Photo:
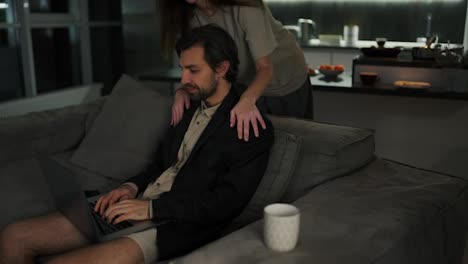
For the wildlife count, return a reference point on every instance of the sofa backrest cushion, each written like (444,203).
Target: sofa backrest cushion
(124,136)
(327,152)
(45,132)
(281,165)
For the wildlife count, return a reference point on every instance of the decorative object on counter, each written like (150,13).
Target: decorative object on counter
(427,52)
(368,78)
(444,57)
(449,57)
(381,52)
(380,42)
(329,39)
(295,30)
(465,60)
(421,39)
(351,35)
(306,29)
(432,40)
(412,84)
(311,72)
(422,53)
(331,72)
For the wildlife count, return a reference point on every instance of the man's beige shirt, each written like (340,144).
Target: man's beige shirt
(200,120)
(163,184)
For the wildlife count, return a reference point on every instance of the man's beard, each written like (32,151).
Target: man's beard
(202,94)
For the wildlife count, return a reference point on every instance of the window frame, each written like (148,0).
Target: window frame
(24,21)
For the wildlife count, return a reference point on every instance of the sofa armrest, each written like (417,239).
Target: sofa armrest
(45,132)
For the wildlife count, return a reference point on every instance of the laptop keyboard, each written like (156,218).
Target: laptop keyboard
(107,228)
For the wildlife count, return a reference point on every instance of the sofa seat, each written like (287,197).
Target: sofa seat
(384,213)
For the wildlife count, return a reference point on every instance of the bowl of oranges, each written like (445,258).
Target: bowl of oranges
(331,71)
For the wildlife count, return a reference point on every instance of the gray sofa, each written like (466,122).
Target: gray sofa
(355,207)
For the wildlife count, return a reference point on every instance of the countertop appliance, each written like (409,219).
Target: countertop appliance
(307,29)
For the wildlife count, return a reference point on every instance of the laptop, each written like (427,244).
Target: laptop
(71,202)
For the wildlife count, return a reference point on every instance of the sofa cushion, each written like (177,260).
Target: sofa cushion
(45,132)
(39,134)
(328,151)
(281,166)
(124,136)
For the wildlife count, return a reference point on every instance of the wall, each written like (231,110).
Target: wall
(395,20)
(423,132)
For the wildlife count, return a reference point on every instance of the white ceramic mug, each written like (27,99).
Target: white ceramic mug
(281,226)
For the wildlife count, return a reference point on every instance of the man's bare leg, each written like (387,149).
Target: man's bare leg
(123,250)
(20,242)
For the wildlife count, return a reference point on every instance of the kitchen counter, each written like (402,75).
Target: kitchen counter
(315,43)
(342,84)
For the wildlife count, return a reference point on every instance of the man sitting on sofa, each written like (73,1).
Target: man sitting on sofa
(203,175)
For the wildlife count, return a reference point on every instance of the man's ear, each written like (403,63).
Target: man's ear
(222,68)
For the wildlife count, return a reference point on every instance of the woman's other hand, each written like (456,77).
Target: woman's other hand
(181,100)
(245,113)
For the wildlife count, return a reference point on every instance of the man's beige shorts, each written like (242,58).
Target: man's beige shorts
(146,239)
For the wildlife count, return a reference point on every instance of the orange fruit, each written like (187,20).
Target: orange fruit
(339,67)
(326,67)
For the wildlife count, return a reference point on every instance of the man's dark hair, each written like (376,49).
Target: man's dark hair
(218,45)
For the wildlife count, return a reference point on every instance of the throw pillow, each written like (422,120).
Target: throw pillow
(125,135)
(280,168)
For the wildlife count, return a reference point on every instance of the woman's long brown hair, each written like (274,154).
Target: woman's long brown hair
(176,15)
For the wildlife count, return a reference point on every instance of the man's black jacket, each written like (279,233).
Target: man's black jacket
(215,184)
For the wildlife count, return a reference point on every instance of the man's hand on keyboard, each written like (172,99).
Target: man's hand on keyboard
(122,193)
(127,210)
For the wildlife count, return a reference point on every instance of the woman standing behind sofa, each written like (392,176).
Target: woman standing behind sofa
(272,65)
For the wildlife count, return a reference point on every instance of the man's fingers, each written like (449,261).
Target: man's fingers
(115,198)
(104,203)
(116,210)
(98,204)
(121,218)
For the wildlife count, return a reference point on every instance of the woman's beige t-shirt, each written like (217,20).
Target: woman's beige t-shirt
(257,34)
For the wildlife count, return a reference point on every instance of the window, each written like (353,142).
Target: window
(3,9)
(48,45)
(49,6)
(106,40)
(57,61)
(10,54)
(105,10)
(106,55)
